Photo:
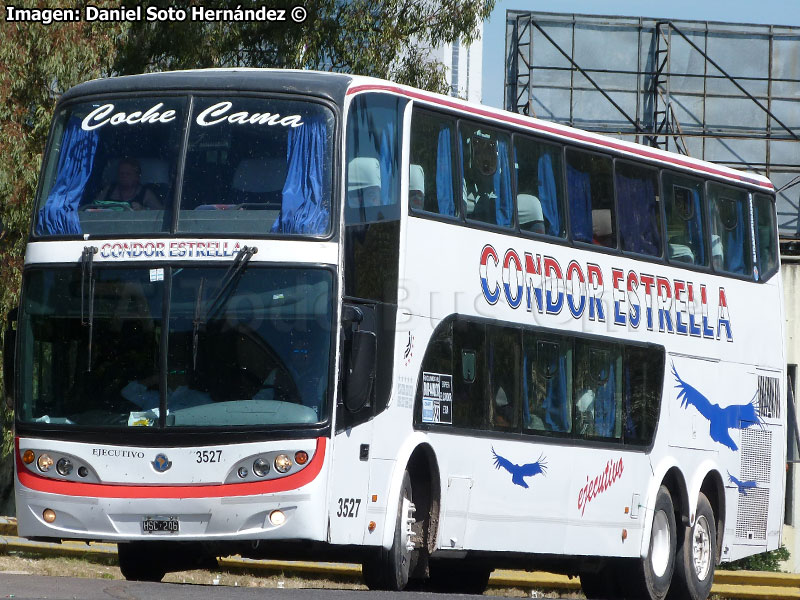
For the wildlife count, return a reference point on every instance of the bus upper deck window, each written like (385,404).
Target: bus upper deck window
(766,234)
(730,220)
(109,171)
(540,187)
(683,206)
(486,187)
(639,209)
(432,167)
(590,189)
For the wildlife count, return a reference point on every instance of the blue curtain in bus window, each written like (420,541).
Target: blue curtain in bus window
(387,164)
(555,399)
(733,243)
(304,207)
(695,231)
(548,196)
(444,174)
(504,209)
(59,215)
(638,215)
(605,410)
(579,193)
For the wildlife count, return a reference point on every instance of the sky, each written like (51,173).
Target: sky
(768,12)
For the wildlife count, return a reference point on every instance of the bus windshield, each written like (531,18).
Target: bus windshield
(216,347)
(247,166)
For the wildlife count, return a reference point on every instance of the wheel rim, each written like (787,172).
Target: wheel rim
(701,548)
(659,551)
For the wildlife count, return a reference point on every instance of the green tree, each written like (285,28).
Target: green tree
(38,63)
(381,39)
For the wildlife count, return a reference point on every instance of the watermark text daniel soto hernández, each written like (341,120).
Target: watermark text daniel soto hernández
(141,12)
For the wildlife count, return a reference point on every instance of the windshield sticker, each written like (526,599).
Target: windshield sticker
(102,115)
(218,114)
(437,398)
(156,275)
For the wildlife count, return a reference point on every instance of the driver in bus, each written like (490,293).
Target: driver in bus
(128,193)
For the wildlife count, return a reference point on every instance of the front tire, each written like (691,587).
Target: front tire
(653,573)
(390,569)
(696,558)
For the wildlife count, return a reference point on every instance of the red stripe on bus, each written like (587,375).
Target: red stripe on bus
(102,490)
(552,130)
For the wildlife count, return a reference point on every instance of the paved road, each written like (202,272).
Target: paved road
(34,587)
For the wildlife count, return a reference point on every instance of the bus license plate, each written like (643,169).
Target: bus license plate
(160,525)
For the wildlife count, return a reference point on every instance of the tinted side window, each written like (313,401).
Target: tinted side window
(540,187)
(683,203)
(487,175)
(503,356)
(766,234)
(643,373)
(547,383)
(729,212)
(373,158)
(469,380)
(639,209)
(432,170)
(590,189)
(597,391)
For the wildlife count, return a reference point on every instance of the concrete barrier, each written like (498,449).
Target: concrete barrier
(754,585)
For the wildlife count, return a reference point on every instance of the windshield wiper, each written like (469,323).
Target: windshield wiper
(198,304)
(87,297)
(220,297)
(228,283)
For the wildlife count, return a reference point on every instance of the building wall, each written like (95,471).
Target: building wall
(464,65)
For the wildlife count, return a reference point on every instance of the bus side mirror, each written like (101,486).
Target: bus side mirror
(9,345)
(360,370)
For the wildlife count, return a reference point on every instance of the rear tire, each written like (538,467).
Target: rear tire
(697,556)
(653,574)
(390,569)
(141,561)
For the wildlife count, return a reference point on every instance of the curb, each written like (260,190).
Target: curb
(748,585)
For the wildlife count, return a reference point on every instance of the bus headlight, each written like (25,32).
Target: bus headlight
(44,463)
(282,463)
(64,466)
(28,457)
(260,467)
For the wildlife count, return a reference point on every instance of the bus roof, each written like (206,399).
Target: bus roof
(335,86)
(565,133)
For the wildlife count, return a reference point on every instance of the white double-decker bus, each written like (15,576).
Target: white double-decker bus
(294,314)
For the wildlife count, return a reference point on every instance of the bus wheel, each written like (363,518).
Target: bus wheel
(390,569)
(454,576)
(653,574)
(694,564)
(141,561)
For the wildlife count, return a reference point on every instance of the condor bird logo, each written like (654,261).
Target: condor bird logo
(742,485)
(735,416)
(519,472)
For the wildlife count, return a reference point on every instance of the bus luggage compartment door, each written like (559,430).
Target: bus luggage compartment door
(456,512)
